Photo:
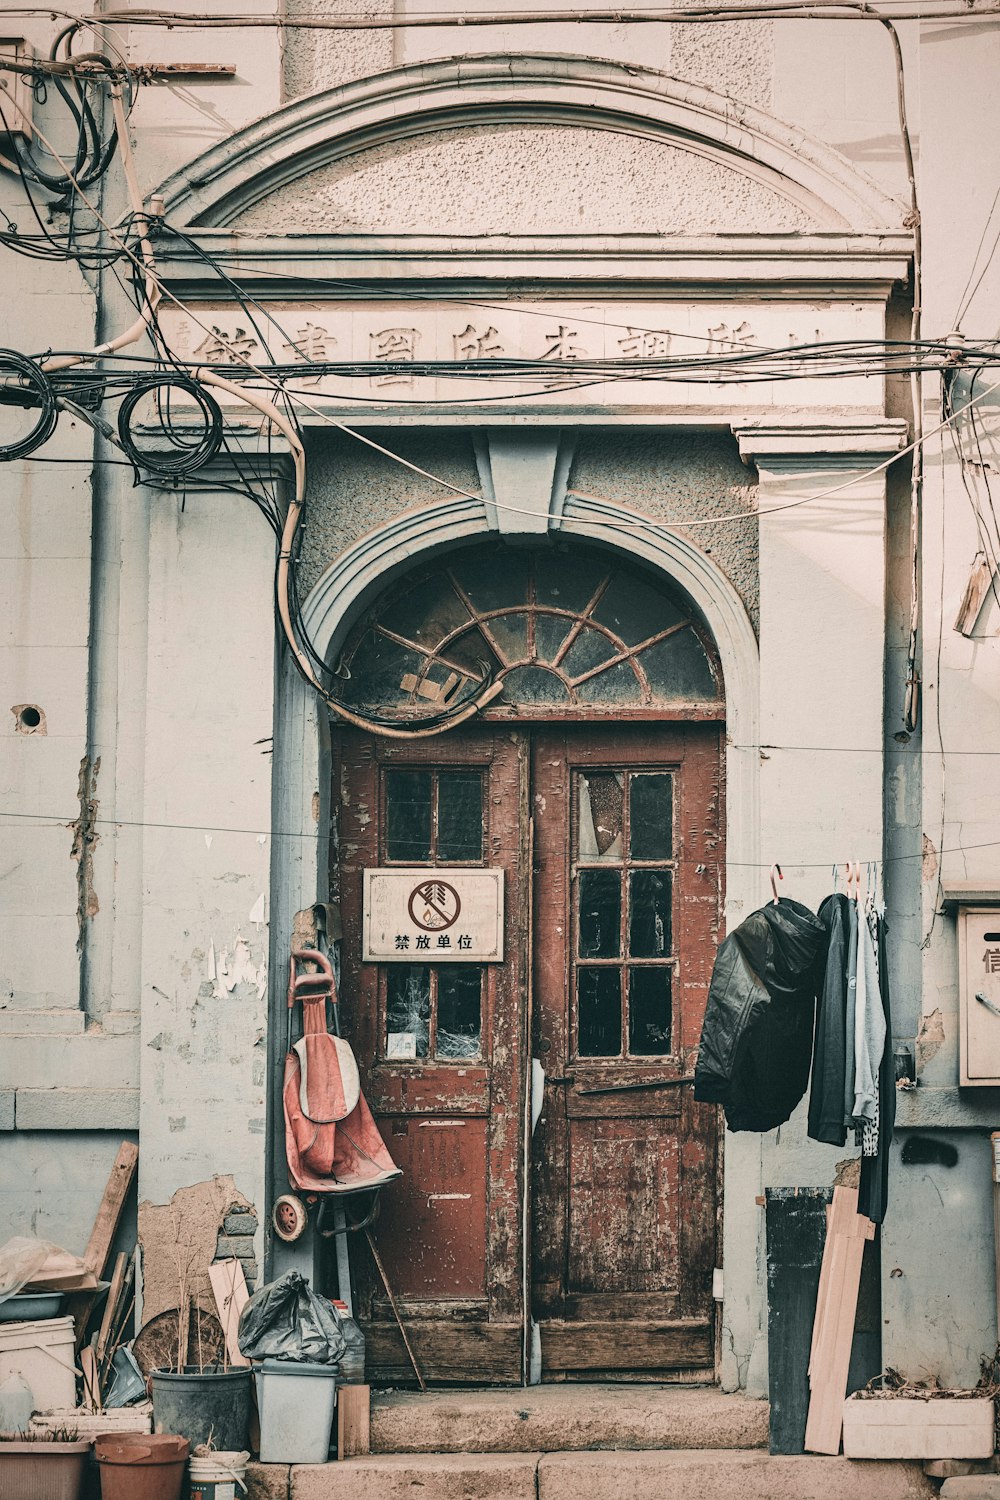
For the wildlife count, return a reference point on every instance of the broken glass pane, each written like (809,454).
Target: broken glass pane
(550,632)
(679,668)
(460,815)
(377,669)
(496,579)
(651,814)
(472,653)
(534,685)
(408,815)
(600,913)
(589,650)
(511,635)
(600,815)
(427,612)
(567,581)
(459,1017)
(649,914)
(599,1012)
(408,1005)
(635,610)
(618,684)
(649,1017)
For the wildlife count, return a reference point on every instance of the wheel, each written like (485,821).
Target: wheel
(289,1217)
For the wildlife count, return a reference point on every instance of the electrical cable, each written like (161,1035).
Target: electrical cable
(30,389)
(185,457)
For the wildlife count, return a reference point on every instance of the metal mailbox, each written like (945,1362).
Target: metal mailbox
(979,994)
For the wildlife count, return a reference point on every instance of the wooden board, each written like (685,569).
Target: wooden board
(462,1353)
(229,1285)
(353,1421)
(110,1211)
(91,1384)
(111,1307)
(686,1343)
(833,1331)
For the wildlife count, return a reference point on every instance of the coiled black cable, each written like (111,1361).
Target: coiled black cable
(23,383)
(182,456)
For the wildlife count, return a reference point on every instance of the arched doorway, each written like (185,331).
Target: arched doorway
(560,1184)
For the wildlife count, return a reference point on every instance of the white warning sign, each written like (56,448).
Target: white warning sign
(426,915)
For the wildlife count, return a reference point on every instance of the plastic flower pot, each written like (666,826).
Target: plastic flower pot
(42,1470)
(137,1466)
(210,1405)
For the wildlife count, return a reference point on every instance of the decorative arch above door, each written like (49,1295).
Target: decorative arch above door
(564,629)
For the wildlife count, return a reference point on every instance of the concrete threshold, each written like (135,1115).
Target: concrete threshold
(624,1475)
(565,1418)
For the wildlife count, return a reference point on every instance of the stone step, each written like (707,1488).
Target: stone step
(553,1418)
(664,1475)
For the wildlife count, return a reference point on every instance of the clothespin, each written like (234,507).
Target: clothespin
(776,875)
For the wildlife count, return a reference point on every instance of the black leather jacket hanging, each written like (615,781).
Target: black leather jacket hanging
(756,1041)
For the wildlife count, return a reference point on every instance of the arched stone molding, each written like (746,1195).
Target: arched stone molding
(227,180)
(365,568)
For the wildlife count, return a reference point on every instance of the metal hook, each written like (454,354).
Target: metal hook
(775,871)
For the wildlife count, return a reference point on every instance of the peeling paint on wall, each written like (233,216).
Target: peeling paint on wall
(930,1039)
(929,864)
(179,1240)
(232,967)
(85,838)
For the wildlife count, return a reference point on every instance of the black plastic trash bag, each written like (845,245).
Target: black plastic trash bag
(756,1041)
(286,1320)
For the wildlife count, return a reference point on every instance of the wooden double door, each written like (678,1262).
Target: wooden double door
(558,1210)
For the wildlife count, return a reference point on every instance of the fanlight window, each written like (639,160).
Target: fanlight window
(562,630)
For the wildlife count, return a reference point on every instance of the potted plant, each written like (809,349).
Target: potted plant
(45,1465)
(897,1418)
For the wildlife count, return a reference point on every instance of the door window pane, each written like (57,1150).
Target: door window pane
(599,913)
(600,812)
(649,913)
(599,1012)
(408,815)
(651,810)
(459,1012)
(649,1012)
(460,815)
(408,1010)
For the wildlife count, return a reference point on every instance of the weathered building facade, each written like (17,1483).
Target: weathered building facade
(694,594)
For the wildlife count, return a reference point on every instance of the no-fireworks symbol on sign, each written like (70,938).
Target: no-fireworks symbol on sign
(434,906)
(451,915)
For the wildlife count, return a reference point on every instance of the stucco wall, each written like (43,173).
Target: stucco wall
(354,490)
(526,179)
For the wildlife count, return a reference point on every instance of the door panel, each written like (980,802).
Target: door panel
(627,911)
(442,1050)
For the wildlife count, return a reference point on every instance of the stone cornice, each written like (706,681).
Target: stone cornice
(790,267)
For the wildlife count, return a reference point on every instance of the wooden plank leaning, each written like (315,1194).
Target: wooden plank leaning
(102,1235)
(836,1310)
(229,1285)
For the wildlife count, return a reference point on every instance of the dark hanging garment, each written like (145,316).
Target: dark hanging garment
(830,1060)
(873,1195)
(756,1041)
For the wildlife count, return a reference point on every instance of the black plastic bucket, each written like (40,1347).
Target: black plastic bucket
(209,1405)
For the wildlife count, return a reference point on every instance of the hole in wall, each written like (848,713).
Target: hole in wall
(28,718)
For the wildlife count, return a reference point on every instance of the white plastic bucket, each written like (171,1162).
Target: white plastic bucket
(42,1354)
(296,1404)
(218,1476)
